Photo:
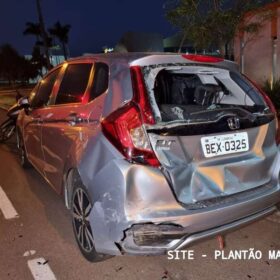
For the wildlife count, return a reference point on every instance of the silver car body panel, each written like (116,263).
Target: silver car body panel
(182,192)
(195,178)
(140,194)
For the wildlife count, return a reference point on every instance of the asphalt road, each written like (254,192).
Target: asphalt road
(43,230)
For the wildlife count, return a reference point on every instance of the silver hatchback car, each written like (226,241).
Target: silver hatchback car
(152,152)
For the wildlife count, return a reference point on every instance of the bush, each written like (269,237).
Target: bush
(273,91)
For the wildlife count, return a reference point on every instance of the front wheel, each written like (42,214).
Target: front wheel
(7,129)
(81,207)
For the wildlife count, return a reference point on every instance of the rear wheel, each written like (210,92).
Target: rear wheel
(7,130)
(81,208)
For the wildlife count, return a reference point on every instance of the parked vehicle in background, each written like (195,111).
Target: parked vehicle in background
(152,152)
(8,126)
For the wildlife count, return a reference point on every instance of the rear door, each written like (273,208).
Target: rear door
(39,100)
(73,118)
(65,119)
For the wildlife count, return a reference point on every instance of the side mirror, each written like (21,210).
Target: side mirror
(23,102)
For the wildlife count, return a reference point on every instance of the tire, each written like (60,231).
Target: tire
(24,162)
(7,130)
(80,209)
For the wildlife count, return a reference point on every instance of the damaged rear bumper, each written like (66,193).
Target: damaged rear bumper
(142,241)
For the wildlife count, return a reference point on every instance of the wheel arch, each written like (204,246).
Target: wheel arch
(71,176)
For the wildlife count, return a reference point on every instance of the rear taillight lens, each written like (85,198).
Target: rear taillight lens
(140,95)
(124,128)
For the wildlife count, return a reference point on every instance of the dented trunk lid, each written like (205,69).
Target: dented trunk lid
(195,177)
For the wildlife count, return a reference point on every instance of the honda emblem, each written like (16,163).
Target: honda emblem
(233,123)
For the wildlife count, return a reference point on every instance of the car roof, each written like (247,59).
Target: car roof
(128,56)
(152,58)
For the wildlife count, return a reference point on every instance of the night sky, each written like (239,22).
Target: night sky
(94,23)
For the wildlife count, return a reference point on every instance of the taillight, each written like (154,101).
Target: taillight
(140,95)
(124,128)
(202,58)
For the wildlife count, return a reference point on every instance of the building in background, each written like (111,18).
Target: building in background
(174,43)
(154,42)
(258,55)
(140,42)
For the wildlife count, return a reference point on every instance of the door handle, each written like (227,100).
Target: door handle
(73,118)
(37,118)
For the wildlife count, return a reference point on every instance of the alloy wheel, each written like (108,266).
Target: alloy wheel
(81,208)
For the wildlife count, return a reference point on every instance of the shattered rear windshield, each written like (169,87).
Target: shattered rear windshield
(191,94)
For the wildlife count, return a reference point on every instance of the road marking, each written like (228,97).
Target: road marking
(29,253)
(7,207)
(40,269)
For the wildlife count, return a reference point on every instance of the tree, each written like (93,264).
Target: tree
(38,60)
(43,39)
(61,33)
(210,23)
(9,61)
(14,67)
(33,29)
(27,70)
(44,34)
(248,29)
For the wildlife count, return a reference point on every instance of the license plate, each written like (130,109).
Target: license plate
(213,146)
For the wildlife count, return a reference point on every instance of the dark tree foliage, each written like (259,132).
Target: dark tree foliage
(38,60)
(208,23)
(61,33)
(15,68)
(43,33)
(44,38)
(32,28)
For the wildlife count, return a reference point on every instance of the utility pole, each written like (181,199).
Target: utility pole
(44,33)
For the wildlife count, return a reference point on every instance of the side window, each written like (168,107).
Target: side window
(74,83)
(101,78)
(44,90)
(33,93)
